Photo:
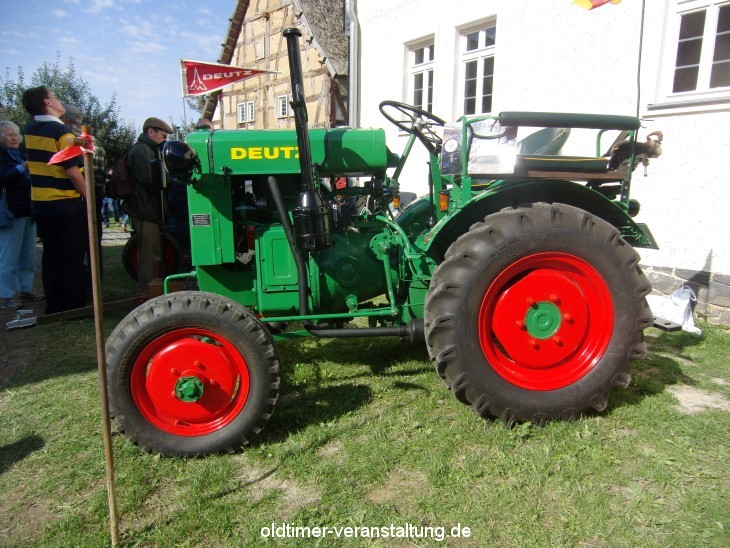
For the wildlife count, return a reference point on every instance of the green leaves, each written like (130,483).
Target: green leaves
(114,134)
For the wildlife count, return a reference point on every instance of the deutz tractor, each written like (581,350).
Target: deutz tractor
(517,269)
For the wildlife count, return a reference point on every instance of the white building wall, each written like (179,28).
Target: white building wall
(552,55)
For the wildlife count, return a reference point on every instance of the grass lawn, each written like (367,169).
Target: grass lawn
(366,440)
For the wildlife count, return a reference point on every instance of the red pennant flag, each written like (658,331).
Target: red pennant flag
(75,150)
(66,154)
(593,4)
(200,78)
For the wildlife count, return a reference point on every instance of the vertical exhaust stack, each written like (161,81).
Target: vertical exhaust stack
(312,217)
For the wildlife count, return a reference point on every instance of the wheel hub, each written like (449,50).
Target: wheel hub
(189,389)
(543,320)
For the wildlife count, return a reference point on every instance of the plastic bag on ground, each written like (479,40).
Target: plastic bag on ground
(676,308)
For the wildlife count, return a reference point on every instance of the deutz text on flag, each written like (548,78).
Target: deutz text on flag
(200,78)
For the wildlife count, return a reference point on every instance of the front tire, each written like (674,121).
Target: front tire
(535,313)
(191,373)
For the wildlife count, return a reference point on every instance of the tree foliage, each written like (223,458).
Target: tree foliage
(195,103)
(114,134)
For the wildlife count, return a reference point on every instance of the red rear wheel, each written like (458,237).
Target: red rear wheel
(545,321)
(171,253)
(535,313)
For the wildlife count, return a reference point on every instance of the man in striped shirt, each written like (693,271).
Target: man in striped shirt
(57,194)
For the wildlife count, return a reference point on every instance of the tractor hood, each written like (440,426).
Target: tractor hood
(338,151)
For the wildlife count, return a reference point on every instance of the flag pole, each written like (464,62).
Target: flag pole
(99,328)
(185,116)
(183,87)
(183,81)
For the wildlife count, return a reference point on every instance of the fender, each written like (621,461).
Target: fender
(502,194)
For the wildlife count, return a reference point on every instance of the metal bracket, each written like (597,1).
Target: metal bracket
(666,325)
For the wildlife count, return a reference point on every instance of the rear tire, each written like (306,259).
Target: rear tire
(535,313)
(191,373)
(171,254)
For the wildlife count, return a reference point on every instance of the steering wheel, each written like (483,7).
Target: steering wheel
(414,121)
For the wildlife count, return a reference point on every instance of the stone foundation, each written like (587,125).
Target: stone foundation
(712,290)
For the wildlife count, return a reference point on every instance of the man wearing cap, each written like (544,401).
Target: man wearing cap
(144,205)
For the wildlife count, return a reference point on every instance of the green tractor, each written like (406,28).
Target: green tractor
(520,275)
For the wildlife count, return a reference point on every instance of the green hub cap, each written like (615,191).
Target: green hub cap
(189,389)
(543,320)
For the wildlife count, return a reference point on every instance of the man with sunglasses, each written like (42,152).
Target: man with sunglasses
(144,205)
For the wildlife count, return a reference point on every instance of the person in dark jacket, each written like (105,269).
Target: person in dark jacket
(144,205)
(17,242)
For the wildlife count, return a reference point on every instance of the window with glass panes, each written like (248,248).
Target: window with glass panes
(283,109)
(477,57)
(703,49)
(246,112)
(422,76)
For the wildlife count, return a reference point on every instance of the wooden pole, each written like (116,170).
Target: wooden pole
(91,214)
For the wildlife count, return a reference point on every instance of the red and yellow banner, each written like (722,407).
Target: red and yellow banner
(199,78)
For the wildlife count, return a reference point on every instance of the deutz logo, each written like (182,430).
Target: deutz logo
(264,153)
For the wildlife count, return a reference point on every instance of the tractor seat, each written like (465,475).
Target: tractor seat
(541,151)
(549,140)
(547,162)
(538,155)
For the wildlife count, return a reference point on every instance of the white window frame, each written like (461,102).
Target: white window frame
(250,112)
(245,112)
(483,51)
(283,106)
(703,93)
(424,69)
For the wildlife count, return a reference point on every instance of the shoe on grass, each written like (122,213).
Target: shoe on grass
(11,304)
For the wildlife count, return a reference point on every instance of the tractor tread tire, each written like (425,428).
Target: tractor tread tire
(181,310)
(476,258)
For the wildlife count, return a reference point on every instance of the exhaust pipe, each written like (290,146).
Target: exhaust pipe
(312,217)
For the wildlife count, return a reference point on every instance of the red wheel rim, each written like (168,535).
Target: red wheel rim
(190,358)
(545,321)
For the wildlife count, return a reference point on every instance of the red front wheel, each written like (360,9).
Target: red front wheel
(535,313)
(190,382)
(191,373)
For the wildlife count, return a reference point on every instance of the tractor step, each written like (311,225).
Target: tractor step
(666,325)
